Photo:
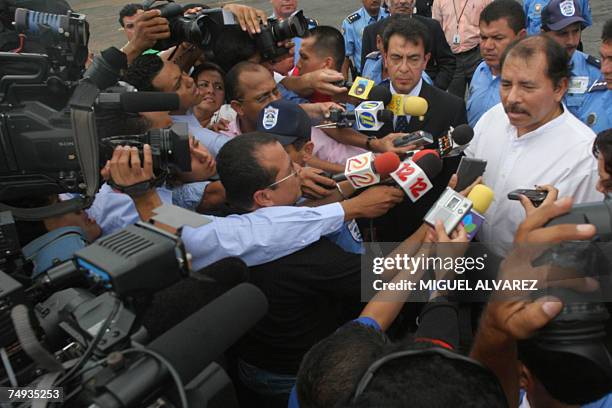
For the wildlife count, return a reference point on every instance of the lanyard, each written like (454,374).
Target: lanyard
(462,10)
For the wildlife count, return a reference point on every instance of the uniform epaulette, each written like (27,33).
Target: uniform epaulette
(373,55)
(599,86)
(353,17)
(596,62)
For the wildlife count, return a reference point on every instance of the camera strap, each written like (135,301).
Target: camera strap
(136,190)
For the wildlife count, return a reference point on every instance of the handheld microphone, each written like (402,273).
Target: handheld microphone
(481,197)
(372,116)
(456,141)
(419,137)
(361,88)
(414,175)
(402,105)
(366,170)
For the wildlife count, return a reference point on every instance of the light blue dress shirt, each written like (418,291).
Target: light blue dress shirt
(533,11)
(483,93)
(596,111)
(189,195)
(212,140)
(353,32)
(263,235)
(584,75)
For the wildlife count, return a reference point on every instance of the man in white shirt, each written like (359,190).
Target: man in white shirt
(531,138)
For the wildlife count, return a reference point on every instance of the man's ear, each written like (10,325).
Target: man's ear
(522,33)
(261,198)
(427,57)
(307,151)
(329,63)
(561,89)
(237,106)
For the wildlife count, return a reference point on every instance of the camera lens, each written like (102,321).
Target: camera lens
(295,26)
(170,147)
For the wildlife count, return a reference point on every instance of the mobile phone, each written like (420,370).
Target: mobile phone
(416,138)
(468,171)
(535,196)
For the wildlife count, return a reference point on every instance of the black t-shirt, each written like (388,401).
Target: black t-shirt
(310,293)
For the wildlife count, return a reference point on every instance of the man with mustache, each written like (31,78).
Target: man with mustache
(563,21)
(531,138)
(352,29)
(501,22)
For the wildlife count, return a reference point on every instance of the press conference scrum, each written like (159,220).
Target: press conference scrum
(188,220)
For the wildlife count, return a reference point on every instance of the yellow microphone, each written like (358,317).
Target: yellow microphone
(481,197)
(402,105)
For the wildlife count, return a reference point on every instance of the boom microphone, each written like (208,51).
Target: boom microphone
(414,176)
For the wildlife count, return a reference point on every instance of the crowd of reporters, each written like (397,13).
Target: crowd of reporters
(261,169)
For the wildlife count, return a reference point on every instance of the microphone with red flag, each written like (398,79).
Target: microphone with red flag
(414,175)
(366,169)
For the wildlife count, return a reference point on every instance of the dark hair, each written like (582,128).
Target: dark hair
(143,70)
(232,79)
(557,58)
(329,43)
(332,368)
(206,66)
(128,11)
(510,10)
(551,368)
(606,34)
(431,380)
(603,146)
(232,47)
(409,28)
(240,171)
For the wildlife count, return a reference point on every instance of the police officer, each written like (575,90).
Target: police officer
(563,21)
(352,29)
(533,10)
(596,111)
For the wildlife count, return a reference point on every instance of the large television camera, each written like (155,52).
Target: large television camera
(204,27)
(76,326)
(48,105)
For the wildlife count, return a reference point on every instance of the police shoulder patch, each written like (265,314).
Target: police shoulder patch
(373,55)
(353,17)
(599,86)
(596,62)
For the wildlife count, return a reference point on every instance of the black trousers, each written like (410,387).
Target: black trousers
(467,62)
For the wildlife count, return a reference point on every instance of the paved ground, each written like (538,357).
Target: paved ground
(102,16)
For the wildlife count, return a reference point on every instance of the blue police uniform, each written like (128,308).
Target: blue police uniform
(372,68)
(585,72)
(596,111)
(483,93)
(533,11)
(352,29)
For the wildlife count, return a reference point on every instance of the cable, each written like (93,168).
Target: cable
(8,367)
(175,376)
(92,346)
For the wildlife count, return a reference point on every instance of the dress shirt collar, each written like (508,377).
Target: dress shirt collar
(415,91)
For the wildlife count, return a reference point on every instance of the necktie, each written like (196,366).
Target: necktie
(401,124)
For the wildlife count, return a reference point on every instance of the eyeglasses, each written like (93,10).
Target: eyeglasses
(264,97)
(293,173)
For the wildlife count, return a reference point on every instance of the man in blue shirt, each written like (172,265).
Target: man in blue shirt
(352,29)
(501,22)
(563,21)
(596,111)
(533,11)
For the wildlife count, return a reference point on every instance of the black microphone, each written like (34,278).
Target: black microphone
(190,346)
(453,143)
(139,101)
(380,93)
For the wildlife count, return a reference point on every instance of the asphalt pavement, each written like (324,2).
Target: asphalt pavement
(102,16)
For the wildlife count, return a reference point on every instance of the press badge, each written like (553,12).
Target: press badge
(456,39)
(578,85)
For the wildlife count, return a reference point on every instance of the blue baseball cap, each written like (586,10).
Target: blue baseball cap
(558,14)
(284,120)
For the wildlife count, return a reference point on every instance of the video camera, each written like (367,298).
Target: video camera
(48,138)
(204,27)
(76,326)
